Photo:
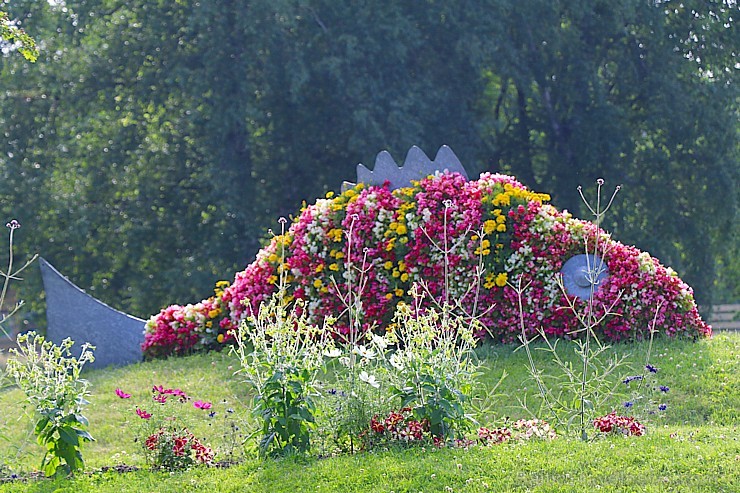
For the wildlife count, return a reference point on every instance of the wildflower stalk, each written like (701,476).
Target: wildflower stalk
(9,274)
(359,396)
(592,274)
(581,392)
(650,345)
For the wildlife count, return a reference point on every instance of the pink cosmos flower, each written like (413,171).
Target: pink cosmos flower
(143,414)
(201,405)
(123,395)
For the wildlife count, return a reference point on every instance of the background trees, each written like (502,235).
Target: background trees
(153,143)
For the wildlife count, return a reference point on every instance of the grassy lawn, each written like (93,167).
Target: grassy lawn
(696,447)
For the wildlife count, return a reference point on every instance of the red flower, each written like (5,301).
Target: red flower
(152,440)
(179,446)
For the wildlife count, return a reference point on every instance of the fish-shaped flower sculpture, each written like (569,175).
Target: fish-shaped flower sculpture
(480,246)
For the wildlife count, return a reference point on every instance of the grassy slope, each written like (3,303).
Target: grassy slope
(702,455)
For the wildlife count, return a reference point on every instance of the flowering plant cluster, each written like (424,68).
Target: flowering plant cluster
(176,449)
(402,429)
(167,442)
(439,231)
(183,329)
(399,428)
(523,429)
(623,425)
(643,393)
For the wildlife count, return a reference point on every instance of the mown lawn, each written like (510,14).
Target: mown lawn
(696,447)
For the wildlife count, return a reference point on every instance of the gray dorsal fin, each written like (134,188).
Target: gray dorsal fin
(416,166)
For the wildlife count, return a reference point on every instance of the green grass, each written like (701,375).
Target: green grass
(695,448)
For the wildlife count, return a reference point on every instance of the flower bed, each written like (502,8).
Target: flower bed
(439,231)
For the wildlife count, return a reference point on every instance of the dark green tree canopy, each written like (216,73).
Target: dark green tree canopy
(153,143)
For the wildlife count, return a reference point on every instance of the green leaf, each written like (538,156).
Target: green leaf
(68,436)
(85,435)
(81,419)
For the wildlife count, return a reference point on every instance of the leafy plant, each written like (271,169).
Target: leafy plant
(50,377)
(281,354)
(433,369)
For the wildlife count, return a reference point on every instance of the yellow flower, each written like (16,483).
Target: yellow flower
(223,284)
(317,283)
(319,268)
(393,226)
(391,244)
(335,234)
(501,228)
(272,258)
(388,265)
(485,243)
(350,193)
(474,237)
(214,313)
(402,266)
(399,292)
(389,296)
(401,230)
(220,338)
(334,267)
(501,219)
(489,226)
(396,273)
(333,253)
(272,280)
(329,194)
(404,277)
(501,279)
(339,255)
(404,240)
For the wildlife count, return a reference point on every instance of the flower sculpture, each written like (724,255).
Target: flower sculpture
(466,242)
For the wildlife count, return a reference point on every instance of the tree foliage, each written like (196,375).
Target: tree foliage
(13,37)
(153,143)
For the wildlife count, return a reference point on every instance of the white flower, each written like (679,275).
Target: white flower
(344,361)
(369,379)
(333,353)
(364,352)
(396,361)
(379,342)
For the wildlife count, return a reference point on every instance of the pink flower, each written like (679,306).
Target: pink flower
(201,405)
(123,395)
(143,414)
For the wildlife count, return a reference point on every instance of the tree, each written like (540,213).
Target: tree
(153,144)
